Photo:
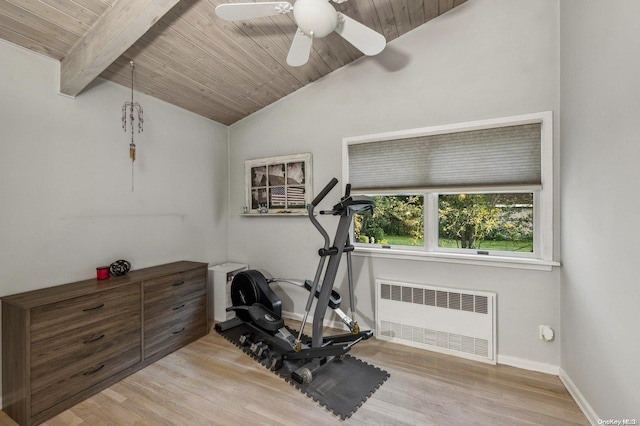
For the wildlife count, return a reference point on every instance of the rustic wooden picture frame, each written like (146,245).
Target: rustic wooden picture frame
(278,185)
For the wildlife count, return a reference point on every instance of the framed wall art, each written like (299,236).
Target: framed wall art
(278,185)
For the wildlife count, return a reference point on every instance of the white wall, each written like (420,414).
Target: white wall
(66,204)
(65,184)
(484,59)
(600,92)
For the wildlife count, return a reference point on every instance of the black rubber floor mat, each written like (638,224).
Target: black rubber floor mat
(341,386)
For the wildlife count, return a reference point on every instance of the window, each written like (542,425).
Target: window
(397,220)
(496,222)
(482,188)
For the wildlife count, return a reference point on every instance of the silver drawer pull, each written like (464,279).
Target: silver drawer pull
(177,283)
(92,339)
(179,331)
(94,308)
(86,373)
(179,307)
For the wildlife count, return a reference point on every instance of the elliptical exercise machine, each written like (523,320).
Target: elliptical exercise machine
(259,310)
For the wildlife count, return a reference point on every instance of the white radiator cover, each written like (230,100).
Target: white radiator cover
(442,319)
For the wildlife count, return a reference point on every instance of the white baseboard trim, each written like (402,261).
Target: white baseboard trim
(527,364)
(586,408)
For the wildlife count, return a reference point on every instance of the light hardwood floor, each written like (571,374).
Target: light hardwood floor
(211,382)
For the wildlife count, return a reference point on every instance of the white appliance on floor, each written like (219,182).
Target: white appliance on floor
(220,277)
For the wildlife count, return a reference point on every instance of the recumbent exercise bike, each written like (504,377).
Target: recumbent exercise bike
(257,306)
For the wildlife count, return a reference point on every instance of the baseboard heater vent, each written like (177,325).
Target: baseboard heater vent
(452,321)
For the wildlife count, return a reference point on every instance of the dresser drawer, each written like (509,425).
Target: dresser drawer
(73,380)
(169,306)
(175,286)
(83,346)
(176,329)
(158,320)
(61,317)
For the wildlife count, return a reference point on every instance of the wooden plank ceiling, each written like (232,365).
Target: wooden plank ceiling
(191,58)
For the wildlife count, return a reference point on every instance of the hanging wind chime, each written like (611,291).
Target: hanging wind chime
(131,107)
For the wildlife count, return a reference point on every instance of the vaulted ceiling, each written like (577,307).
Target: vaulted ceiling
(187,56)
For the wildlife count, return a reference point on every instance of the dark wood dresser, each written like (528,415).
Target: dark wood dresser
(62,344)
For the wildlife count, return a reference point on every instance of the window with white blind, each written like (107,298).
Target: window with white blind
(482,189)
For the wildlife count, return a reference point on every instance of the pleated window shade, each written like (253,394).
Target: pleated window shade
(487,157)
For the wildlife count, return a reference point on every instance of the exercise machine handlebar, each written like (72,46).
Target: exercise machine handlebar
(324,192)
(327,243)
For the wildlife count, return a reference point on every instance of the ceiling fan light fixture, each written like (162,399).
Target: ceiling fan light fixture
(316,18)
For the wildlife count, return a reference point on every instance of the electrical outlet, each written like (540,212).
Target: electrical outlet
(546,333)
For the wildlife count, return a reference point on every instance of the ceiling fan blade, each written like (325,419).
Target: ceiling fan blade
(240,11)
(300,49)
(360,36)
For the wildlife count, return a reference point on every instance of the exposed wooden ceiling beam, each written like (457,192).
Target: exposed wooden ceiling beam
(115,32)
(189,56)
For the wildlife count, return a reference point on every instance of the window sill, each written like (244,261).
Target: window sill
(467,259)
(280,214)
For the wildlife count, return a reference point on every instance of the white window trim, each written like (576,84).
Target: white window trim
(544,202)
(459,258)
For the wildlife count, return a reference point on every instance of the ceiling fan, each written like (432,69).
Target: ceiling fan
(315,19)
